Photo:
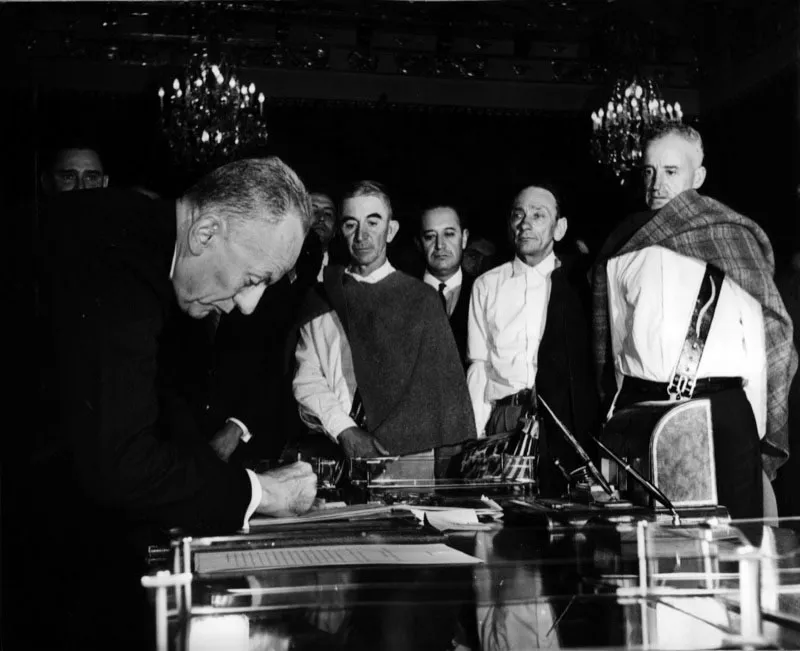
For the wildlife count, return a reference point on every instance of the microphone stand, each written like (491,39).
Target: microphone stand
(596,474)
(651,488)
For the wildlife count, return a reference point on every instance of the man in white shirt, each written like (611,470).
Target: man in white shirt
(528,330)
(442,239)
(377,368)
(645,288)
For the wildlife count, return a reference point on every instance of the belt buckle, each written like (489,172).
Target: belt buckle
(681,387)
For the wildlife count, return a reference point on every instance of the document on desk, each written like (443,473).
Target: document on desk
(325,514)
(451,519)
(242,560)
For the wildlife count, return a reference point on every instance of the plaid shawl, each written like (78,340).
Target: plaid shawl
(702,228)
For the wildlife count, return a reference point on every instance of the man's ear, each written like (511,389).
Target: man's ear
(202,233)
(699,177)
(105,180)
(464,238)
(394,226)
(561,229)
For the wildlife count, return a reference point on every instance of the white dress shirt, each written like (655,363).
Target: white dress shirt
(651,297)
(452,288)
(507,316)
(255,486)
(325,382)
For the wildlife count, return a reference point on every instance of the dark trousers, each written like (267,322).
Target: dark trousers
(504,419)
(737,449)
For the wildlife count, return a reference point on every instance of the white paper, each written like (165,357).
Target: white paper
(329,556)
(450,519)
(326,514)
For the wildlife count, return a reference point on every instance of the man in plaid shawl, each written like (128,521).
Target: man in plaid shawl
(645,283)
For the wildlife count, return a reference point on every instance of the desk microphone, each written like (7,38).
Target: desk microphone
(651,488)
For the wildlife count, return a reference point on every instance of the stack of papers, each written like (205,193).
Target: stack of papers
(327,514)
(443,518)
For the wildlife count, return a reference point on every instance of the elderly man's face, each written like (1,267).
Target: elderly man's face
(368,229)
(671,166)
(534,224)
(443,241)
(324,213)
(77,169)
(231,266)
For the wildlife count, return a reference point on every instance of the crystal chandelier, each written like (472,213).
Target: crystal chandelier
(211,116)
(635,107)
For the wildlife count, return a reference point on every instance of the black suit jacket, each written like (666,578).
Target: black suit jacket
(565,376)
(460,316)
(239,370)
(115,442)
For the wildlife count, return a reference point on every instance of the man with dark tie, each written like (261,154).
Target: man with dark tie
(443,238)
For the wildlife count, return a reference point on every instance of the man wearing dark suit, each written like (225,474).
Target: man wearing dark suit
(239,390)
(442,239)
(124,460)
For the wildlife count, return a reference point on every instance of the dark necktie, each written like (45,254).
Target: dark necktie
(441,296)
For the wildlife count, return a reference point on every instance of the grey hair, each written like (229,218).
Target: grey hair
(253,188)
(684,131)
(368,189)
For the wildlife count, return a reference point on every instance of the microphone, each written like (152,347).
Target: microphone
(579,449)
(651,488)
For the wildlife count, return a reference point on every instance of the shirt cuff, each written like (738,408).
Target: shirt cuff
(245,435)
(338,424)
(255,500)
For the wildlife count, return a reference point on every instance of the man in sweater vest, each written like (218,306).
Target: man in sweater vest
(377,366)
(528,334)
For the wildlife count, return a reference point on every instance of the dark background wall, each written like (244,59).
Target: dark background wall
(475,159)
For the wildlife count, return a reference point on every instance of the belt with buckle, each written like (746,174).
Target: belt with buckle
(523,397)
(660,390)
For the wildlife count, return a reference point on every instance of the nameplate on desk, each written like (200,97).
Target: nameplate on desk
(244,560)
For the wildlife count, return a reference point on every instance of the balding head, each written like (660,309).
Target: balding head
(535,224)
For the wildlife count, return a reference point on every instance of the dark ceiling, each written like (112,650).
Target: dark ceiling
(575,41)
(584,42)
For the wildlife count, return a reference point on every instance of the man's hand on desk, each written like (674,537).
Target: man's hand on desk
(356,442)
(226,440)
(288,490)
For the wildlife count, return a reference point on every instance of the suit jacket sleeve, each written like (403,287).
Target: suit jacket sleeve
(107,318)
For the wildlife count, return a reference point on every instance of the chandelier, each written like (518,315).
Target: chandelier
(212,116)
(635,107)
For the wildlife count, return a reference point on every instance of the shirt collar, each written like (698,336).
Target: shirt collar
(543,269)
(456,280)
(376,276)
